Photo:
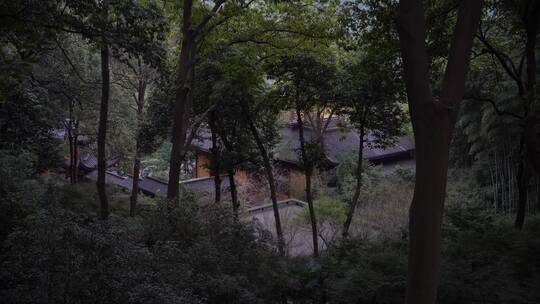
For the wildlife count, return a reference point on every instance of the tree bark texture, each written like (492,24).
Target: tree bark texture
(523,179)
(358,188)
(183,98)
(182,107)
(531,155)
(141,92)
(529,11)
(269,175)
(102,128)
(234,193)
(433,124)
(135,186)
(308,171)
(216,157)
(76,153)
(71,155)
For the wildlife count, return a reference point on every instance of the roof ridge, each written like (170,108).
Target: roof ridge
(157,179)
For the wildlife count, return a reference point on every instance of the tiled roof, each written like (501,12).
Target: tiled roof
(111,178)
(88,161)
(337,143)
(153,185)
(281,204)
(58,134)
(203,142)
(127,183)
(156,186)
(205,183)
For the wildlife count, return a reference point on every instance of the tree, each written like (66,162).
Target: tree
(135,77)
(271,26)
(259,117)
(125,32)
(208,94)
(517,22)
(373,107)
(231,84)
(71,95)
(304,80)
(433,120)
(103,115)
(28,113)
(248,116)
(182,104)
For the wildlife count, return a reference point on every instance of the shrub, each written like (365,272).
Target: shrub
(185,255)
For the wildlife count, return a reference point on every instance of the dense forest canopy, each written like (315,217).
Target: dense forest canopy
(247,151)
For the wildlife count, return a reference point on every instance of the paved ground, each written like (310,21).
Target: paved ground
(298,237)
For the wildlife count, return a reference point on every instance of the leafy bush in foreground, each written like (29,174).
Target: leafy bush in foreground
(170,256)
(58,252)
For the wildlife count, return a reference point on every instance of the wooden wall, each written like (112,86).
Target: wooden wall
(295,179)
(297,184)
(202,163)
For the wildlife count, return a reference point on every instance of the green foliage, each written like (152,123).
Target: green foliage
(465,189)
(232,82)
(181,256)
(483,261)
(486,261)
(493,115)
(346,174)
(270,57)
(304,81)
(359,272)
(371,100)
(385,196)
(330,212)
(83,198)
(19,190)
(158,162)
(157,123)
(329,209)
(26,115)
(57,249)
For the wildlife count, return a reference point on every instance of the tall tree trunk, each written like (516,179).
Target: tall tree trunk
(71,155)
(69,130)
(135,186)
(183,99)
(102,129)
(76,153)
(537,205)
(141,92)
(182,105)
(216,157)
(524,176)
(234,193)
(308,170)
(269,175)
(531,16)
(356,196)
(530,142)
(230,173)
(433,124)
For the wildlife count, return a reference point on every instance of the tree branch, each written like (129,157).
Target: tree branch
(494,105)
(328,120)
(195,127)
(73,67)
(453,86)
(207,18)
(505,61)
